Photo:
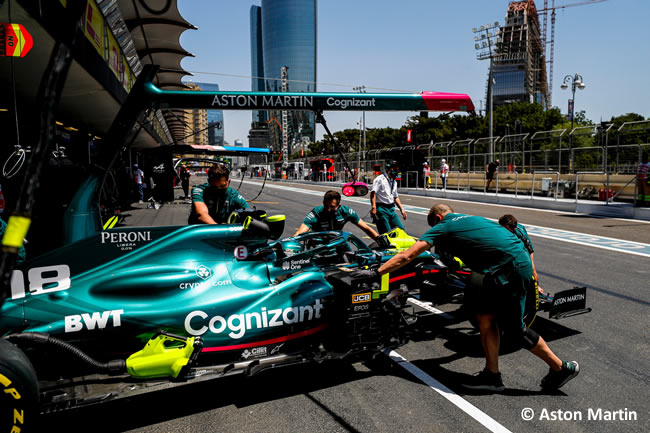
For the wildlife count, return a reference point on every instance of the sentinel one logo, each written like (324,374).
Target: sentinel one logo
(199,322)
(345,103)
(294,264)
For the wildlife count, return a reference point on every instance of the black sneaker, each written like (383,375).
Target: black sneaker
(557,379)
(485,380)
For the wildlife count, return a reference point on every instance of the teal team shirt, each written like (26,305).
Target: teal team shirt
(482,244)
(220,205)
(523,235)
(319,220)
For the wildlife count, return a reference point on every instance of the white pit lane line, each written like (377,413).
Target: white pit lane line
(467,407)
(594,241)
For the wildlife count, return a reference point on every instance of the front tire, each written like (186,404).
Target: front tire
(19,390)
(361,190)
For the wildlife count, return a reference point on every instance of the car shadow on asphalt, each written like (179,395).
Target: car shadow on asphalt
(454,380)
(238,390)
(552,330)
(462,338)
(464,341)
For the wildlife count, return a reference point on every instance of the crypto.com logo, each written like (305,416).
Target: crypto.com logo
(203,272)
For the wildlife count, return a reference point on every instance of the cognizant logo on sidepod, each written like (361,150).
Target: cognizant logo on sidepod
(199,322)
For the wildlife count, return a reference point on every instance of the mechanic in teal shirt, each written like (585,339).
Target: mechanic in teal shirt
(502,266)
(332,215)
(213,202)
(510,222)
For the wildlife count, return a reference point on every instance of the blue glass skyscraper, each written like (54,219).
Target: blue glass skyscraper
(215,118)
(257,59)
(287,32)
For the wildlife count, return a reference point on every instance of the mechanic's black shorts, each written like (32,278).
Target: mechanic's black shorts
(502,293)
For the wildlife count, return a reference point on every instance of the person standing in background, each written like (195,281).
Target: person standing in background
(384,198)
(643,181)
(490,171)
(444,172)
(138,177)
(426,175)
(185,174)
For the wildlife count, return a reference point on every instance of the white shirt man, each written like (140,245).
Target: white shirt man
(384,198)
(444,172)
(426,174)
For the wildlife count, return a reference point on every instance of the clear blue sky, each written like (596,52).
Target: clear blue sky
(416,45)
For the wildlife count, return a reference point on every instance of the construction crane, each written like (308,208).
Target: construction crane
(275,119)
(552,41)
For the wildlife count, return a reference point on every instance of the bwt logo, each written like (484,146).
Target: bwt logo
(90,321)
(203,272)
(359,298)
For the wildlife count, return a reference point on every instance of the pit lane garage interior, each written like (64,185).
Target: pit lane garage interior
(119,38)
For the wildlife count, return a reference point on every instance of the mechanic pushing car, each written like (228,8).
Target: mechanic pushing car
(501,264)
(510,222)
(213,202)
(384,198)
(332,215)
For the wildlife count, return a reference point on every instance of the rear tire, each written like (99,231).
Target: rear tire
(361,190)
(19,386)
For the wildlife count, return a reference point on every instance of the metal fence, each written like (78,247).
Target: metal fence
(587,148)
(527,161)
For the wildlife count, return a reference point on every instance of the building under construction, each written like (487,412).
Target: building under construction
(195,122)
(519,66)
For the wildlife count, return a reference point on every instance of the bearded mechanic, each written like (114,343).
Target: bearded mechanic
(503,274)
(213,202)
(332,215)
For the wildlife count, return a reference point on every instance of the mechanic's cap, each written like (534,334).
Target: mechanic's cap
(391,164)
(444,160)
(426,163)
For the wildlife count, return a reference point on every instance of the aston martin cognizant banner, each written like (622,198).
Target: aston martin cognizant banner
(425,101)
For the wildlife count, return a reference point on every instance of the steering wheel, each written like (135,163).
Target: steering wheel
(332,251)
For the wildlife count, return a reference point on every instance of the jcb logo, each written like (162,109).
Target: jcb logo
(359,298)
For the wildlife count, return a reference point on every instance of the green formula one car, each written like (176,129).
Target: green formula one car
(121,312)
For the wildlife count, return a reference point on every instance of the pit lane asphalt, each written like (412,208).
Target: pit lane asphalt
(611,344)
